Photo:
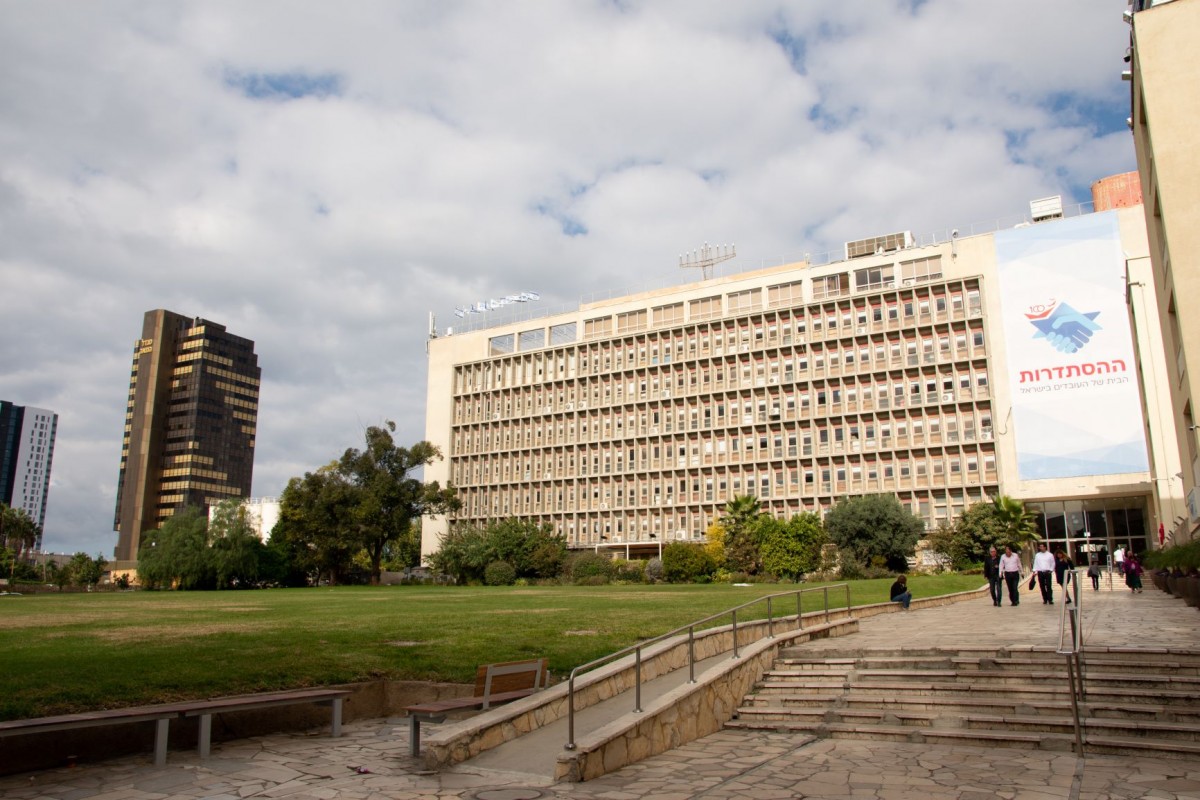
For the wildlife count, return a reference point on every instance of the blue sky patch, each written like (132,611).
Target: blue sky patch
(283,85)
(794,48)
(569,225)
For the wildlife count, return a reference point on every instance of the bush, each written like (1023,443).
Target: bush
(654,569)
(630,571)
(687,563)
(499,573)
(592,580)
(589,565)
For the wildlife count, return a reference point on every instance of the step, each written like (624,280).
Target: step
(840,730)
(1129,729)
(1091,665)
(1100,680)
(980,738)
(997,706)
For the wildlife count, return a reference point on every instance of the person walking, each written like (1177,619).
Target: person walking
(991,571)
(900,593)
(1043,568)
(1010,568)
(1133,572)
(1119,559)
(1061,564)
(1094,574)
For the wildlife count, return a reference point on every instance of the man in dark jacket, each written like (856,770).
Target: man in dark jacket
(991,571)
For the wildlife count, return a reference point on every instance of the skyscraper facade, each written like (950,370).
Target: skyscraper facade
(26,455)
(944,372)
(190,424)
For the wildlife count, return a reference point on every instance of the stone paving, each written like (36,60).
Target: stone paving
(370,761)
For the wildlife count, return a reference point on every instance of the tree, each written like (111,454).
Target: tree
(966,541)
(177,554)
(741,525)
(1018,523)
(18,532)
(462,553)
(715,543)
(386,498)
(85,570)
(315,523)
(236,548)
(875,526)
(405,551)
(790,549)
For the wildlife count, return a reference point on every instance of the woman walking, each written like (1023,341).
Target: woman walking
(1133,572)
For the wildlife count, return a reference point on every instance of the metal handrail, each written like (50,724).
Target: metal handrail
(636,649)
(1070,616)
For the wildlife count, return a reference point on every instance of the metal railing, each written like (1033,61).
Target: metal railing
(690,628)
(1070,645)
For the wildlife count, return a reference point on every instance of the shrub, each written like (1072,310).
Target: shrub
(630,571)
(499,573)
(654,569)
(684,563)
(589,565)
(592,580)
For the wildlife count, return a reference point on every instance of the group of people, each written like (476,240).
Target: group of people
(1005,571)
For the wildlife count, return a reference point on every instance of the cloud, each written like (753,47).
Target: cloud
(318,178)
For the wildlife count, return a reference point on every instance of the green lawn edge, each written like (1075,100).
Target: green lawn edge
(66,653)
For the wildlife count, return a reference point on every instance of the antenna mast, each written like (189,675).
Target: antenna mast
(706,257)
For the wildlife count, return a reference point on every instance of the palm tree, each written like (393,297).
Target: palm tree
(1017,522)
(741,545)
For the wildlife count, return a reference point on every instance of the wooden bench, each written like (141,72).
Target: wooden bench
(495,684)
(161,716)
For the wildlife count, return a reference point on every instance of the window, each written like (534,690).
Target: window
(785,294)
(669,315)
(744,301)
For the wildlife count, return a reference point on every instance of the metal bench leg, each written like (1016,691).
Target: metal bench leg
(160,741)
(337,717)
(205,735)
(414,735)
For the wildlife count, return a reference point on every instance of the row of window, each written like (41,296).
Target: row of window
(794,326)
(833,463)
(597,526)
(832,408)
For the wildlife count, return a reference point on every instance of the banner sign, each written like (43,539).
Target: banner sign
(1071,366)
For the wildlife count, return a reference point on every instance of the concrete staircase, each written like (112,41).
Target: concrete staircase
(1138,701)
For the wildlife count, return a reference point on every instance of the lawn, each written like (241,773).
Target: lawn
(73,652)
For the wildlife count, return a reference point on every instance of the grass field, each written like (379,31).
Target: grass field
(74,652)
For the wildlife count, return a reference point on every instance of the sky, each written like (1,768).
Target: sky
(319,177)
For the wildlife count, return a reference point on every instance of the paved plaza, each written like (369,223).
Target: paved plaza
(371,762)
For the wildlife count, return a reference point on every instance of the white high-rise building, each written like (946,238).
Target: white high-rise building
(26,454)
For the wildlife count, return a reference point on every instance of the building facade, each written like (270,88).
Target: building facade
(190,424)
(944,374)
(1164,63)
(26,455)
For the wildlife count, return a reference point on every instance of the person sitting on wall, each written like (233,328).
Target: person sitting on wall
(900,593)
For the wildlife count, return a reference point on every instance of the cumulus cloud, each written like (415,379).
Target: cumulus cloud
(317,178)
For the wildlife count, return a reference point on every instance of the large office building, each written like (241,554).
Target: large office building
(189,424)
(1164,65)
(26,455)
(944,373)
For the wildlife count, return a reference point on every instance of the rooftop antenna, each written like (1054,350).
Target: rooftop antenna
(706,257)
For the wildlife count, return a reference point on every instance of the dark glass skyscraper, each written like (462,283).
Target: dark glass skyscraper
(189,425)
